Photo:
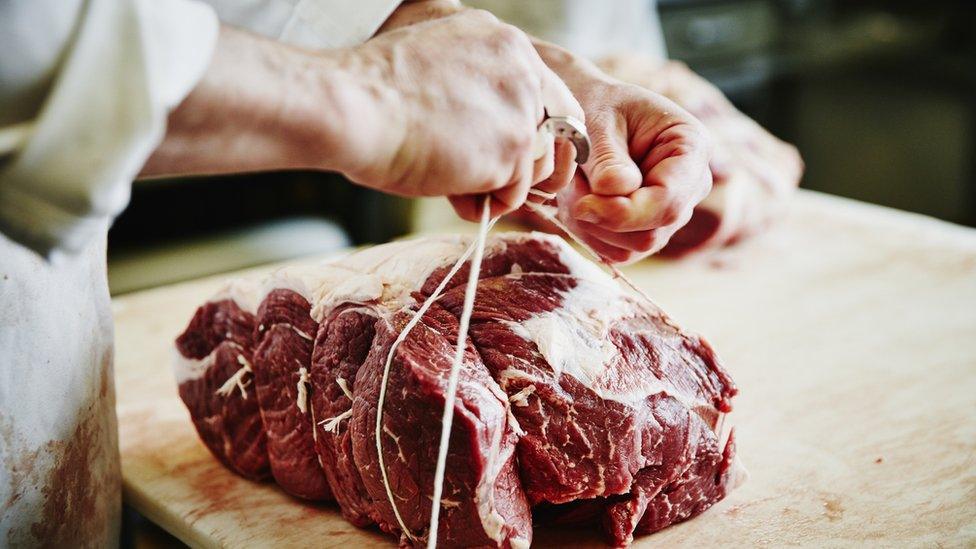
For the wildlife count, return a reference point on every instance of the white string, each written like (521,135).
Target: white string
(237,380)
(386,374)
(341,382)
(448,418)
(477,248)
(302,400)
(617,273)
(332,424)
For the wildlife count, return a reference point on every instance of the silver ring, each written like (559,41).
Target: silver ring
(573,129)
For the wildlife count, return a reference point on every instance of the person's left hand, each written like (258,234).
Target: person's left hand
(648,165)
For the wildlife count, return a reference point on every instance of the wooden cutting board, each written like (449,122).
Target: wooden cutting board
(850,330)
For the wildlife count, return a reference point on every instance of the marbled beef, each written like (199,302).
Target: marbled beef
(575,397)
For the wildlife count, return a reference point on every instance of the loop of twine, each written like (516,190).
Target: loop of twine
(332,424)
(414,320)
(476,248)
(448,418)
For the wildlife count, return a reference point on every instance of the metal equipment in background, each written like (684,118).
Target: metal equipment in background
(880,96)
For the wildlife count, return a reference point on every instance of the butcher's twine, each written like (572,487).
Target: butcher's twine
(448,418)
(477,248)
(332,424)
(302,387)
(237,380)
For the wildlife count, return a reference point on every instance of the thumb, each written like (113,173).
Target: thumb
(610,169)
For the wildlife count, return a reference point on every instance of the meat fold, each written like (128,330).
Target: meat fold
(342,345)
(284,337)
(482,503)
(214,355)
(576,398)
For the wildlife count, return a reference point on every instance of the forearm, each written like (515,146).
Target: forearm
(262,106)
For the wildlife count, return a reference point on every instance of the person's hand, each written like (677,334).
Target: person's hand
(753,171)
(461,98)
(447,107)
(410,12)
(648,164)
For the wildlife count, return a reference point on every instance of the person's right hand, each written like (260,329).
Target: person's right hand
(457,103)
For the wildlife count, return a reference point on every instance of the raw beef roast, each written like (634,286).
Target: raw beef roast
(575,399)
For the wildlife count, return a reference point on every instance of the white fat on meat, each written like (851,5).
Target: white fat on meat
(245,293)
(305,280)
(242,291)
(386,275)
(575,339)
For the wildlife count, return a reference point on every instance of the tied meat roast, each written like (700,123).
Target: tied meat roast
(577,401)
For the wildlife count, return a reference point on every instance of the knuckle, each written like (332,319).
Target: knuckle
(519,143)
(515,36)
(689,148)
(481,16)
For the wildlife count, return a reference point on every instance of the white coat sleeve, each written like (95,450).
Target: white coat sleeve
(85,87)
(591,28)
(311,24)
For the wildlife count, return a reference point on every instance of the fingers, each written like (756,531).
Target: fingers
(641,242)
(545,156)
(637,241)
(511,197)
(570,195)
(549,163)
(676,178)
(609,252)
(466,206)
(563,171)
(644,209)
(679,156)
(545,162)
(610,169)
(559,101)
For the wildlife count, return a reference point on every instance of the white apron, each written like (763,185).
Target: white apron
(59,482)
(85,87)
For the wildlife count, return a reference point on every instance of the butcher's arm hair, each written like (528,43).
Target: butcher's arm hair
(262,105)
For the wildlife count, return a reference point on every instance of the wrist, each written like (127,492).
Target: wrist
(265,106)
(359,123)
(579,73)
(417,11)
(345,117)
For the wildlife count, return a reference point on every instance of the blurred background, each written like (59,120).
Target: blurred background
(879,96)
